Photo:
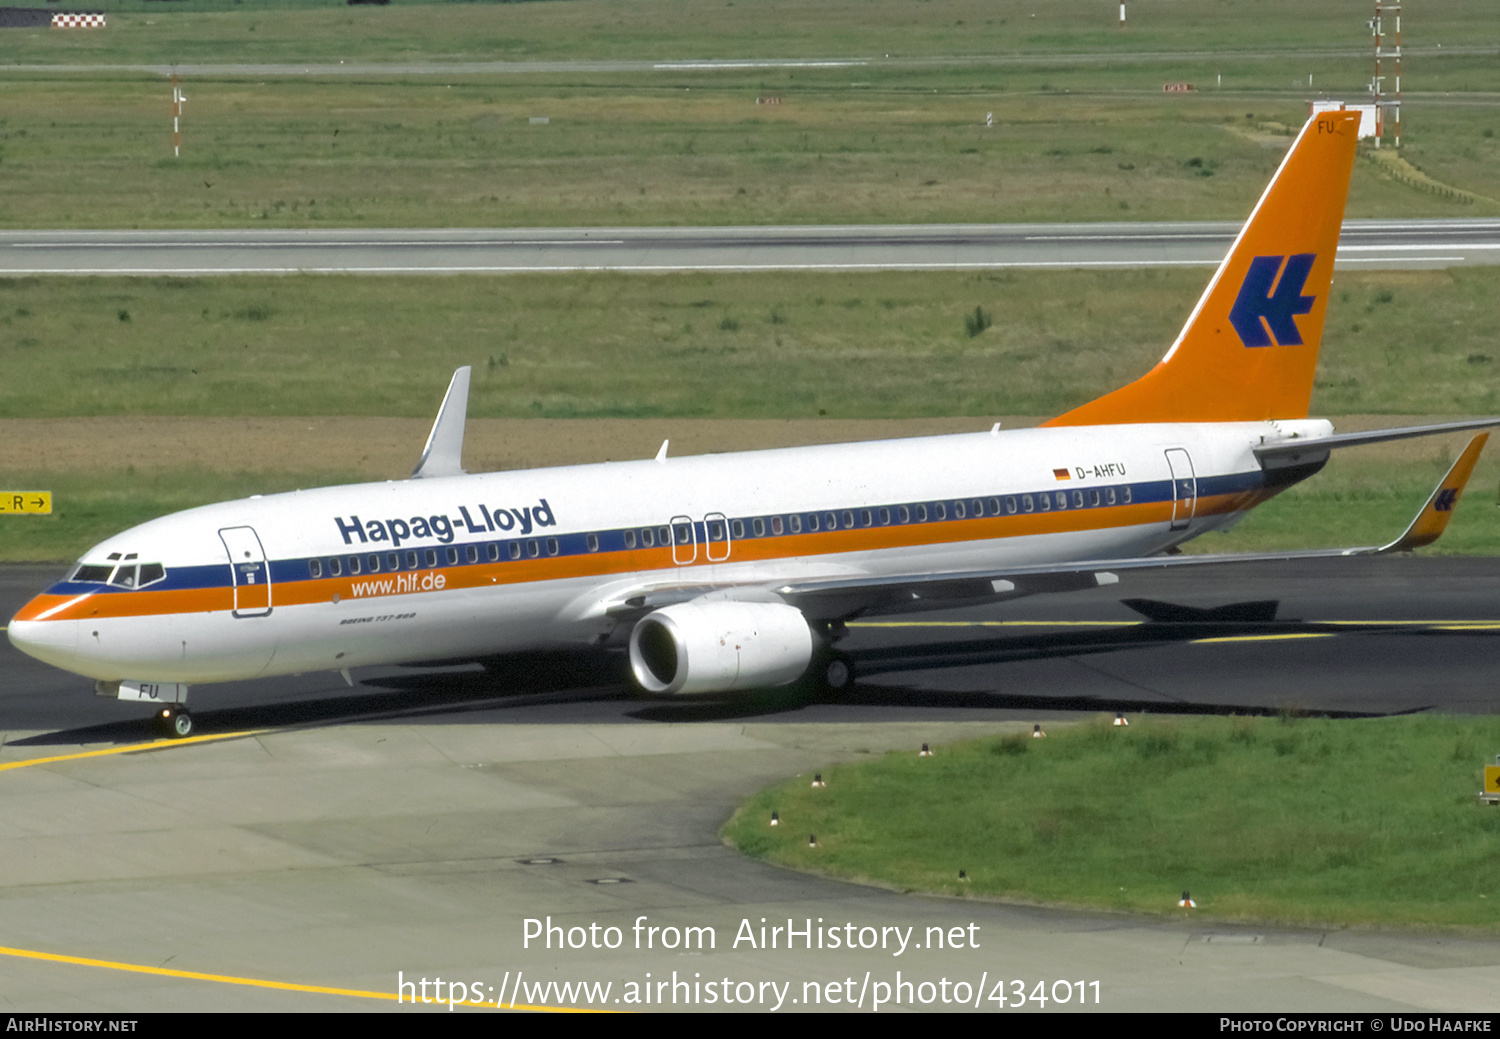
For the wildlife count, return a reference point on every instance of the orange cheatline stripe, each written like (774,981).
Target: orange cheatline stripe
(285,986)
(524,571)
(131,748)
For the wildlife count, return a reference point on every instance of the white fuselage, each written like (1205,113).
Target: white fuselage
(476,565)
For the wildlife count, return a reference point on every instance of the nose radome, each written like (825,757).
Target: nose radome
(54,642)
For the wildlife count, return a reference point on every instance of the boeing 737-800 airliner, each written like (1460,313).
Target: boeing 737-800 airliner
(735,571)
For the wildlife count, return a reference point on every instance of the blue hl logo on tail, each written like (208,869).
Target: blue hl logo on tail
(1258,309)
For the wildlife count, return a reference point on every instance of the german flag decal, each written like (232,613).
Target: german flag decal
(1062,474)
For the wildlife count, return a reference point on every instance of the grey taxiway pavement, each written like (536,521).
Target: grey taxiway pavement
(1364,244)
(409,828)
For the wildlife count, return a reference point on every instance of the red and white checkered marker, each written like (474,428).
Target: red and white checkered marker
(78,21)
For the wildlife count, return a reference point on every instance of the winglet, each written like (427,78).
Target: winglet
(443,455)
(1433,519)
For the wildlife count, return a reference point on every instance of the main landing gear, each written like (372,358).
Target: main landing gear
(838,672)
(175,722)
(832,671)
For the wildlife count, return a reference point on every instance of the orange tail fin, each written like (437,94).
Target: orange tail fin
(1249,349)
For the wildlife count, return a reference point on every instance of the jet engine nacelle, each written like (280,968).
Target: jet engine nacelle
(714,647)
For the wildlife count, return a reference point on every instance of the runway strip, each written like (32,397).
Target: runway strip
(1365,244)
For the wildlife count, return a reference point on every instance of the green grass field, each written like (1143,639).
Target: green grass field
(325,30)
(95,151)
(1293,821)
(758,345)
(1082,128)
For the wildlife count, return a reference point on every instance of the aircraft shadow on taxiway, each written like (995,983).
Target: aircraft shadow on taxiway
(533,679)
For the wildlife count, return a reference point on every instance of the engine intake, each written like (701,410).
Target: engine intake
(715,647)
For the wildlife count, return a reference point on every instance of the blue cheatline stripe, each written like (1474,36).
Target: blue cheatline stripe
(576,544)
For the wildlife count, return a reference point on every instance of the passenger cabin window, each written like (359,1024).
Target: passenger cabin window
(1125,493)
(533,548)
(885,517)
(848,520)
(335,567)
(737,529)
(472,552)
(432,557)
(393,561)
(493,551)
(940,511)
(758,524)
(314,568)
(552,546)
(921,514)
(515,550)
(374,564)
(777,526)
(958,510)
(683,532)
(716,530)
(354,564)
(648,537)
(795,522)
(630,539)
(593,542)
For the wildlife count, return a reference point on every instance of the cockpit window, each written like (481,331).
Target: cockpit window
(125,575)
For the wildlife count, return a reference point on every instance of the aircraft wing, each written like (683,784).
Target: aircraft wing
(824,600)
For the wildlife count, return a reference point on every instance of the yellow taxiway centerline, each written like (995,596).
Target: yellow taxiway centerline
(229,979)
(1268,638)
(130,748)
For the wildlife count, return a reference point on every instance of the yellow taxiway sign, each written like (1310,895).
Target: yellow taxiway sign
(15,503)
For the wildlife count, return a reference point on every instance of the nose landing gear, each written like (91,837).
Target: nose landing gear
(175,722)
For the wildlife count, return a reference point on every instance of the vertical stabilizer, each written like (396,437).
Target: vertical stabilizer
(443,455)
(1250,348)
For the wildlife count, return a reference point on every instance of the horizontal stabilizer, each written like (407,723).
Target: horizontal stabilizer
(1291,452)
(443,455)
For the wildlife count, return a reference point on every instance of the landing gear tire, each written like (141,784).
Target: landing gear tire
(837,673)
(175,722)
